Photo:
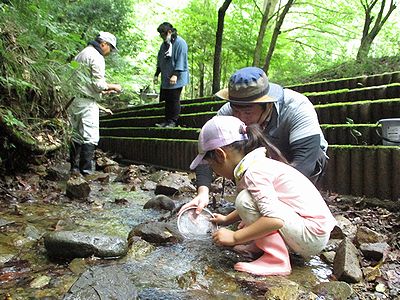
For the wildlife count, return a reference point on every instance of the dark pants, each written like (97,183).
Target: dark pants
(171,97)
(320,168)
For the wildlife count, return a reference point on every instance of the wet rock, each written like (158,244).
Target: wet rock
(139,248)
(4,223)
(58,172)
(78,265)
(366,235)
(149,185)
(5,258)
(98,176)
(128,174)
(32,233)
(98,283)
(281,288)
(344,228)
(70,244)
(103,162)
(372,273)
(156,232)
(40,282)
(174,184)
(374,251)
(160,202)
(346,265)
(328,256)
(111,169)
(332,245)
(77,188)
(337,290)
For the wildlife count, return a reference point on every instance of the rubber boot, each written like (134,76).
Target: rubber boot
(86,159)
(74,154)
(274,261)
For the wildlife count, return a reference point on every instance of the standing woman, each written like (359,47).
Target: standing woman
(172,63)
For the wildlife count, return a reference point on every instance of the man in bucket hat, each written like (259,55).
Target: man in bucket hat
(287,118)
(84,109)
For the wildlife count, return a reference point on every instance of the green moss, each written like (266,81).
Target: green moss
(311,94)
(363,147)
(152,128)
(363,77)
(361,102)
(148,139)
(326,126)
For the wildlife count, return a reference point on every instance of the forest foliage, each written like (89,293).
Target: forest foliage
(314,40)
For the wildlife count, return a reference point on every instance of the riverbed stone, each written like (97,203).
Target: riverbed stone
(374,251)
(148,185)
(102,282)
(174,184)
(344,228)
(346,265)
(328,256)
(337,290)
(71,244)
(160,202)
(156,232)
(367,235)
(77,188)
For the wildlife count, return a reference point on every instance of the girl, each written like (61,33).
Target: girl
(278,206)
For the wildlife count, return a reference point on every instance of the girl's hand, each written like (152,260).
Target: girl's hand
(218,219)
(224,237)
(201,201)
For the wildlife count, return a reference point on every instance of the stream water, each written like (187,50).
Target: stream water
(192,269)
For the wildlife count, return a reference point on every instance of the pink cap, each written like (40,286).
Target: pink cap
(218,132)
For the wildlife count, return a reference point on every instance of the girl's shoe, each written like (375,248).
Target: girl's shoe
(274,261)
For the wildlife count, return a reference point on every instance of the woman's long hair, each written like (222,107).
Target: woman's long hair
(256,140)
(164,27)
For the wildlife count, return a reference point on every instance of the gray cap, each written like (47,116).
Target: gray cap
(109,38)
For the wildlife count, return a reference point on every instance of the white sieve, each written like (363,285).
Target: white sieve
(196,226)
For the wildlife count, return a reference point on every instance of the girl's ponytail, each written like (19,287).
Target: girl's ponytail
(257,139)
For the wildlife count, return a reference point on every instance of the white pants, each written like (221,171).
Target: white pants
(294,231)
(84,116)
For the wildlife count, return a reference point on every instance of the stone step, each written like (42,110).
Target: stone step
(186,108)
(370,93)
(161,153)
(348,83)
(360,112)
(351,134)
(371,171)
(151,132)
(195,120)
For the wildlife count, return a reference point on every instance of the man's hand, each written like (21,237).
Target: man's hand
(173,79)
(155,79)
(107,110)
(113,88)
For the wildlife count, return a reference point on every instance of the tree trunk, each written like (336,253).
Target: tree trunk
(369,34)
(261,32)
(201,79)
(277,31)
(218,47)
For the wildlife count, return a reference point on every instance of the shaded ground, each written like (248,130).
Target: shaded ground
(35,189)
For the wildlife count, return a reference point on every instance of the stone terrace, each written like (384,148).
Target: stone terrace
(348,110)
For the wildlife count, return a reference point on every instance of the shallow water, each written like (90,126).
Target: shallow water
(192,269)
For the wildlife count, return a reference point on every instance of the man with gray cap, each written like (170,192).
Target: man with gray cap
(84,109)
(287,118)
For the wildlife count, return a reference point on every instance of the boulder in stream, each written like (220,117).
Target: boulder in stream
(70,244)
(102,282)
